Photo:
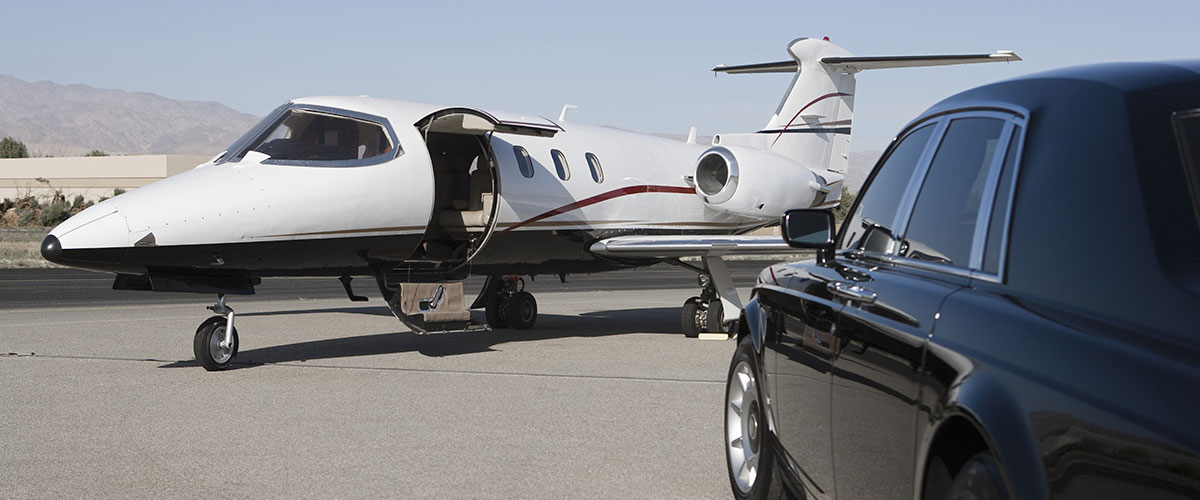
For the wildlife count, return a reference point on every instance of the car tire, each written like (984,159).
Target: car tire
(978,479)
(749,448)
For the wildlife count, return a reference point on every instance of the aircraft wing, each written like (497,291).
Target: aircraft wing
(710,248)
(690,245)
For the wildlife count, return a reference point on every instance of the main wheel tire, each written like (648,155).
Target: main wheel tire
(979,479)
(206,344)
(688,318)
(521,311)
(715,317)
(495,312)
(749,449)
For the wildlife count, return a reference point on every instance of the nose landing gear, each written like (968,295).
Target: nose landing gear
(216,340)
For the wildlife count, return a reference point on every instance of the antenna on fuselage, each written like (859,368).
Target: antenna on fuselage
(562,117)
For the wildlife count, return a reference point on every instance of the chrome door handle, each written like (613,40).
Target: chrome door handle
(852,292)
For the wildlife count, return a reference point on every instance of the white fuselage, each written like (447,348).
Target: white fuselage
(250,213)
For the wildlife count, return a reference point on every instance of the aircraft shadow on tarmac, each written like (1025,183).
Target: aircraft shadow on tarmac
(549,326)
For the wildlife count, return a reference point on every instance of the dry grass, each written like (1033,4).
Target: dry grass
(21,247)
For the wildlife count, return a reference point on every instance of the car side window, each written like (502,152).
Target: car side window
(870,228)
(998,221)
(943,222)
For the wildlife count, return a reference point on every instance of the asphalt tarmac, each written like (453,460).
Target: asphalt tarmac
(604,398)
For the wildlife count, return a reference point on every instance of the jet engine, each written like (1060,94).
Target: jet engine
(756,183)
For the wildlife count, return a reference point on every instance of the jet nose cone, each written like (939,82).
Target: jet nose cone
(52,249)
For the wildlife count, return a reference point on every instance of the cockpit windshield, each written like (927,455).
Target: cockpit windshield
(316,136)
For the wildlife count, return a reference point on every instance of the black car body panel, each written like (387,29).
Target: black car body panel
(1035,295)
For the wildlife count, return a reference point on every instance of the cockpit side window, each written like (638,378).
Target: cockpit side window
(318,137)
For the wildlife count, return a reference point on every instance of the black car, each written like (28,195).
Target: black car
(1011,309)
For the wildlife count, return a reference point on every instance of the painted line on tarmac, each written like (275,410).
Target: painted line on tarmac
(192,364)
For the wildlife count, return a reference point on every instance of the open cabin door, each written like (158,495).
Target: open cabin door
(466,179)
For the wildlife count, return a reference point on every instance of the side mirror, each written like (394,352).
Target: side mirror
(809,228)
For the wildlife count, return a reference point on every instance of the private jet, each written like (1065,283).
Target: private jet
(420,196)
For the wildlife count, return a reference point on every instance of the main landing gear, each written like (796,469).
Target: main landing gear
(718,306)
(216,341)
(507,304)
(703,313)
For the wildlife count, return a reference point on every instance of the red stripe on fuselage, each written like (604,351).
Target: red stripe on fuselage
(806,106)
(616,193)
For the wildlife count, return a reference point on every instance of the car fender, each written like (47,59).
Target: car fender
(751,323)
(999,418)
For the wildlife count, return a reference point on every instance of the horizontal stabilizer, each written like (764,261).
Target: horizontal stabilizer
(771,67)
(690,246)
(853,64)
(862,63)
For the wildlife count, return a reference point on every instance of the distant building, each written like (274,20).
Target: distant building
(92,177)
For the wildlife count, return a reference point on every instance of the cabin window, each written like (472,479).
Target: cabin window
(524,162)
(594,166)
(302,136)
(560,164)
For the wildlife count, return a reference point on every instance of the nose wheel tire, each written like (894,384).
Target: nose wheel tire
(521,312)
(748,452)
(207,344)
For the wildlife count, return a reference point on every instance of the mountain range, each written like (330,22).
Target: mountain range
(61,120)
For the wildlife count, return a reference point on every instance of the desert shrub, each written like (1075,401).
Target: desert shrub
(843,209)
(54,213)
(12,148)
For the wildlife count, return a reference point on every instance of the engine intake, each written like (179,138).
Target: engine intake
(756,183)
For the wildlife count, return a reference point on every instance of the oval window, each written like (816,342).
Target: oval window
(594,166)
(524,162)
(560,164)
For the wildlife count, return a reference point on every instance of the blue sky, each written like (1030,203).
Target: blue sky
(642,65)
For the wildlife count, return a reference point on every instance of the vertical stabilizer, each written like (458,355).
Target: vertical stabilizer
(811,126)
(812,123)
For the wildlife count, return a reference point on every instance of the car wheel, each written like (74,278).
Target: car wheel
(978,479)
(748,446)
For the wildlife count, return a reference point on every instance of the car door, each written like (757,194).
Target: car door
(904,267)
(801,322)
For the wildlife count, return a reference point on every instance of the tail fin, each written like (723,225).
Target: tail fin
(812,123)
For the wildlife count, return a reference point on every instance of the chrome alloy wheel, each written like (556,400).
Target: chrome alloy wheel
(743,426)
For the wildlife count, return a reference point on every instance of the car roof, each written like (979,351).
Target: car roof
(1082,83)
